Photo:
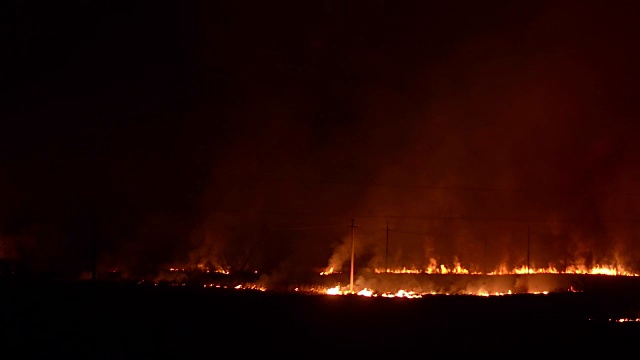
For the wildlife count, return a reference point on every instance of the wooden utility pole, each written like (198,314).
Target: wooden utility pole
(484,256)
(386,252)
(353,226)
(566,250)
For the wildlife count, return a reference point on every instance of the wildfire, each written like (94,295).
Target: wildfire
(206,270)
(432,268)
(337,290)
(250,287)
(402,294)
(442,269)
(626,320)
(466,286)
(329,271)
(237,287)
(503,270)
(486,293)
(400,271)
(365,292)
(574,269)
(601,270)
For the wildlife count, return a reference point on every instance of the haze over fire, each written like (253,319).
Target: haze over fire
(481,135)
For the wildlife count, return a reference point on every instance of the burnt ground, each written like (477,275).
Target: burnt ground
(126,321)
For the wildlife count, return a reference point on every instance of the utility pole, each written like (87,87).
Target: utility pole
(484,255)
(566,250)
(528,248)
(386,252)
(566,254)
(352,255)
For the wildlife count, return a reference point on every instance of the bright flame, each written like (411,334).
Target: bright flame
(329,271)
(432,268)
(365,292)
(626,320)
(199,268)
(573,269)
(402,294)
(442,269)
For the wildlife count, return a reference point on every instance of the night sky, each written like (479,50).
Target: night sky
(250,133)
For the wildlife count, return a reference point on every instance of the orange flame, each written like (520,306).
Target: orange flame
(337,290)
(503,270)
(329,271)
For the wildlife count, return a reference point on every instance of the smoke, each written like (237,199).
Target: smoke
(482,136)
(519,149)
(342,254)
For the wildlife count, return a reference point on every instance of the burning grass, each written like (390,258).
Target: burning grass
(407,284)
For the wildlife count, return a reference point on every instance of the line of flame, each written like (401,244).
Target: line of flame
(502,270)
(338,290)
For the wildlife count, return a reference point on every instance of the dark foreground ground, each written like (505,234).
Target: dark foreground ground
(131,322)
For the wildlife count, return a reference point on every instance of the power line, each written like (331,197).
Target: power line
(436,187)
(424,217)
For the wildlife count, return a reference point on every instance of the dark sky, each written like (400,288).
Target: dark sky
(250,133)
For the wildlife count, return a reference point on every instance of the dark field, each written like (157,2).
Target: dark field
(131,322)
